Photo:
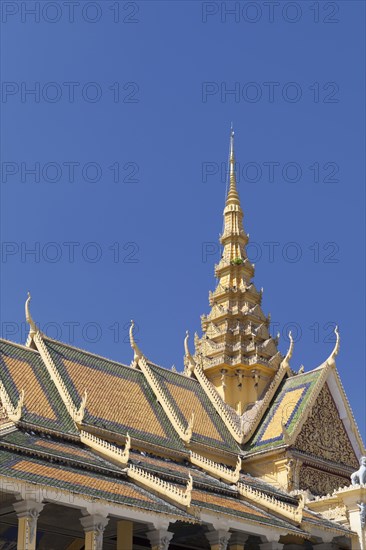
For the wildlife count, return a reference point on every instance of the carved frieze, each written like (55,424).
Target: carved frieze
(324,434)
(319,482)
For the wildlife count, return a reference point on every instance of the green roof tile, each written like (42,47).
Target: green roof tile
(23,368)
(187,396)
(119,398)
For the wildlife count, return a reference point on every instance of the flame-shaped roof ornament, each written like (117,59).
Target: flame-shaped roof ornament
(137,352)
(28,316)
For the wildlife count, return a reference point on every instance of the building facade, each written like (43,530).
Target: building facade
(235,452)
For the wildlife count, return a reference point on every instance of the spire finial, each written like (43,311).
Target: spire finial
(232,134)
(189,362)
(286,361)
(28,317)
(332,356)
(137,352)
(233,196)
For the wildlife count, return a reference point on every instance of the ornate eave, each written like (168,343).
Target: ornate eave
(106,449)
(215,469)
(281,508)
(164,488)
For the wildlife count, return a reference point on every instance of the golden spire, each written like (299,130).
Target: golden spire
(236,341)
(232,196)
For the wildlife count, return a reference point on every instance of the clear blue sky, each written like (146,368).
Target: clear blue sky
(143,88)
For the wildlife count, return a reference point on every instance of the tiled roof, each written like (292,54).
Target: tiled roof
(90,484)
(178,470)
(119,398)
(23,368)
(287,406)
(187,396)
(226,505)
(55,448)
(317,519)
(271,490)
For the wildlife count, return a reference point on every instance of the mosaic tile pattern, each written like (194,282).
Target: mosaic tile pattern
(287,407)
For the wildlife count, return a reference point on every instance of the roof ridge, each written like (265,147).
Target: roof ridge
(87,352)
(309,371)
(172,371)
(21,346)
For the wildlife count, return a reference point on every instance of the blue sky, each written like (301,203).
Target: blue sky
(126,131)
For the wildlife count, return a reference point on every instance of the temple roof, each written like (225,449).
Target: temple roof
(187,397)
(23,458)
(119,398)
(142,436)
(22,368)
(75,480)
(46,447)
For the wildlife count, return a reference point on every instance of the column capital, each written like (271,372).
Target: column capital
(159,538)
(218,539)
(27,511)
(238,540)
(94,525)
(93,521)
(28,507)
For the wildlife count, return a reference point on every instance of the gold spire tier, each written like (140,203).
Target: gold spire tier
(236,350)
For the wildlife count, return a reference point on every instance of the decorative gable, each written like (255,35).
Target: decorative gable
(323,434)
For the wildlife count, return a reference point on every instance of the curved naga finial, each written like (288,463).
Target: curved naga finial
(128,443)
(331,359)
(189,362)
(28,317)
(79,413)
(237,468)
(189,486)
(286,361)
(137,352)
(189,429)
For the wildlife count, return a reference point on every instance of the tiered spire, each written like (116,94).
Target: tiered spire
(236,350)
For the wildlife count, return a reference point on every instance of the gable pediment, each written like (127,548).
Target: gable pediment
(324,434)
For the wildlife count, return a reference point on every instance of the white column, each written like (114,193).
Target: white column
(94,526)
(27,512)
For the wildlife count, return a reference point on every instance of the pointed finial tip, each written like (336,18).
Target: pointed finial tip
(28,316)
